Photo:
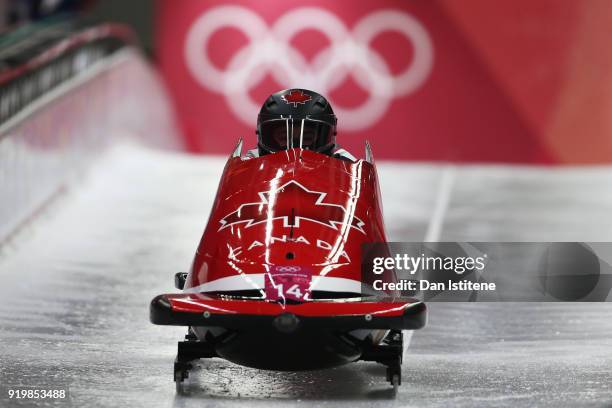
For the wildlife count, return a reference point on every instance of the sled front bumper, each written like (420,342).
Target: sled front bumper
(345,315)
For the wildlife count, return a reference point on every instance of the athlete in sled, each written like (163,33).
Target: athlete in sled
(276,281)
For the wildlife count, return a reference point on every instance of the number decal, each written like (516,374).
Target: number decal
(295,291)
(288,282)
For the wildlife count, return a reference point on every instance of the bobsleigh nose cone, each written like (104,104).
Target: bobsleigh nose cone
(286,323)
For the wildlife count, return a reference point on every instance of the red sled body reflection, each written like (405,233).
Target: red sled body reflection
(276,281)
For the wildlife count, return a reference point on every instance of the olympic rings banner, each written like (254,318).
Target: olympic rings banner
(409,76)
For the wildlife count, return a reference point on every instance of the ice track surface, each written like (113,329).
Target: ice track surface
(77,282)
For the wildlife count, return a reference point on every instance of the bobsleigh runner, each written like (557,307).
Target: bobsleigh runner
(276,281)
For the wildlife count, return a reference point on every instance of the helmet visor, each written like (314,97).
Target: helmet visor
(282,134)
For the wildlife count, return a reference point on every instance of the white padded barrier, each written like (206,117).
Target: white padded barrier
(56,136)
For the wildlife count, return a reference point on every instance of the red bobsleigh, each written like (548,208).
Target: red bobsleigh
(276,282)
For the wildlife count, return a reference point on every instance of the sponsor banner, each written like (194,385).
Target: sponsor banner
(397,73)
(490,272)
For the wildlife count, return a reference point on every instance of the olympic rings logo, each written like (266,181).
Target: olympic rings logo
(269,52)
(292,269)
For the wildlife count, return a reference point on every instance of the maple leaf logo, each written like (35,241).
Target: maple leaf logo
(296,96)
(309,206)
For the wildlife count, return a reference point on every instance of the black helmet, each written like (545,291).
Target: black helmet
(296,118)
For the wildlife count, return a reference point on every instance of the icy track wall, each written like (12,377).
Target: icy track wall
(65,96)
